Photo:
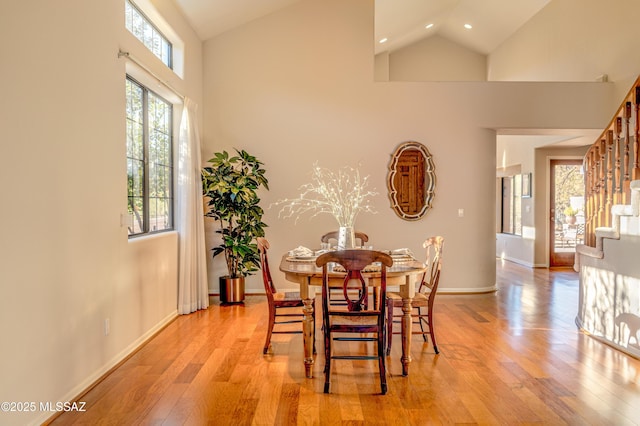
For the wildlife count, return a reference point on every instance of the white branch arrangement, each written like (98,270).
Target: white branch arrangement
(342,194)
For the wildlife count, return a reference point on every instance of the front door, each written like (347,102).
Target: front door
(567,211)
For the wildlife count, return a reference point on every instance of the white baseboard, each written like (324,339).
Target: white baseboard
(519,262)
(474,290)
(441,290)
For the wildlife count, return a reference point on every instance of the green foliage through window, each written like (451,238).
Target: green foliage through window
(142,28)
(149,160)
(569,185)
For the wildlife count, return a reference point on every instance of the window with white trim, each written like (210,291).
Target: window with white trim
(149,160)
(512,205)
(145,31)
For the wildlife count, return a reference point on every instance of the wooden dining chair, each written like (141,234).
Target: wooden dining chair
(279,303)
(336,293)
(353,322)
(423,299)
(333,235)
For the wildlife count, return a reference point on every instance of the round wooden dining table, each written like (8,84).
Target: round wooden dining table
(406,274)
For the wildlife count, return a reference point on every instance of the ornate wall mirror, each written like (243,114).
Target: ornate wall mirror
(411,180)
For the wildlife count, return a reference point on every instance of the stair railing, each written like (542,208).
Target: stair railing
(610,165)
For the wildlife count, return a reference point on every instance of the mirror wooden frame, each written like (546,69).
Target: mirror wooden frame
(411,181)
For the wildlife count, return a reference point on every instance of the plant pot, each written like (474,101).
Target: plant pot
(570,219)
(231,290)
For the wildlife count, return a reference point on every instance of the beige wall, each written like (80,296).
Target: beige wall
(436,59)
(572,40)
(281,89)
(65,261)
(381,67)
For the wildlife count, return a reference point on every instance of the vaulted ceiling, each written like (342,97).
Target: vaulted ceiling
(404,22)
(401,22)
(210,18)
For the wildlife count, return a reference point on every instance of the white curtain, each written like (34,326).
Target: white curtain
(193,289)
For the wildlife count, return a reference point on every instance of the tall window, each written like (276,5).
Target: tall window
(149,160)
(142,28)
(512,205)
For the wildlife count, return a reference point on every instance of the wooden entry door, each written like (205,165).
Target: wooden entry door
(566,215)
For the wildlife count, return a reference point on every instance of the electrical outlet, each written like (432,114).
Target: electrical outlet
(107,326)
(460,212)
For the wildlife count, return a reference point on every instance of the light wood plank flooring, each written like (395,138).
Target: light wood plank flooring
(510,357)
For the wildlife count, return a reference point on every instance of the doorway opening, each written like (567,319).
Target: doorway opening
(567,211)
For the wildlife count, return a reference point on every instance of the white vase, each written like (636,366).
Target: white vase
(346,238)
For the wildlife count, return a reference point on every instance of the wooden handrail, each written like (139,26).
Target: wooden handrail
(608,167)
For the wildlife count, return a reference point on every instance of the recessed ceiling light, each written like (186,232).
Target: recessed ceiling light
(383,40)
(468,26)
(428,26)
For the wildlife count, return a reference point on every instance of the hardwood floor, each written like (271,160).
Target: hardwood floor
(510,357)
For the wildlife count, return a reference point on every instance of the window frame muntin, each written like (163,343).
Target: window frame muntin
(515,201)
(155,27)
(146,180)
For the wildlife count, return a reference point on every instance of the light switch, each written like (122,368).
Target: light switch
(460,212)
(126,220)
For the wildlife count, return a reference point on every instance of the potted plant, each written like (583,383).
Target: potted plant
(570,215)
(231,185)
